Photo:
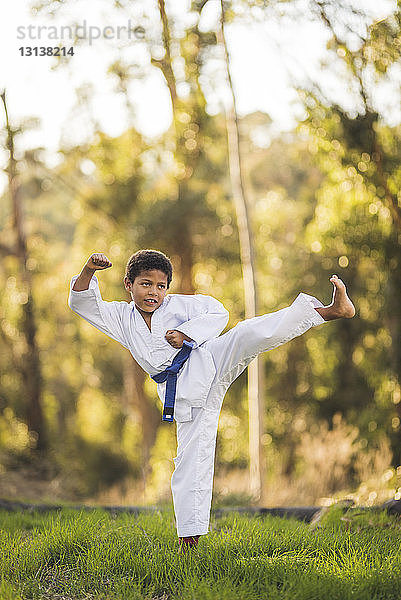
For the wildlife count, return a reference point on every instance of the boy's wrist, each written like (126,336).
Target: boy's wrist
(89,270)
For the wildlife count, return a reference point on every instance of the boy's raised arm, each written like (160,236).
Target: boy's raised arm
(86,301)
(97,261)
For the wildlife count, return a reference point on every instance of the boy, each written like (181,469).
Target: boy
(175,339)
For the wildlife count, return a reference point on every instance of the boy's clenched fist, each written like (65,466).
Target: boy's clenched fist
(98,261)
(176,338)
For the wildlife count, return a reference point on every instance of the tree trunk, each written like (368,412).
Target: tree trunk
(184,248)
(149,415)
(31,367)
(248,273)
(183,243)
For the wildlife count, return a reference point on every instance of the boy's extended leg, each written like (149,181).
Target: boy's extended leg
(192,479)
(233,351)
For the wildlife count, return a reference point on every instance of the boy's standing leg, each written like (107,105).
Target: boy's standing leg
(192,480)
(194,468)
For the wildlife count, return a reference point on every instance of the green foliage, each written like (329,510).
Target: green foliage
(383,48)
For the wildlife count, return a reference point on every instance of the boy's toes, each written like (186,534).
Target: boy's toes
(337,281)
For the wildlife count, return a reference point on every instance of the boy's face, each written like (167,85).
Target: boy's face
(148,289)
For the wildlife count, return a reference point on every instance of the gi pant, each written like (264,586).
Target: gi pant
(192,480)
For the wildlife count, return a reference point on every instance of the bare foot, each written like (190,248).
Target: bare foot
(341,306)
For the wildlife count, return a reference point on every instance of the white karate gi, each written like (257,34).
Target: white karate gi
(214,363)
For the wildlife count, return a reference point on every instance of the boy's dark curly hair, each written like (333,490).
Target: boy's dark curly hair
(147,260)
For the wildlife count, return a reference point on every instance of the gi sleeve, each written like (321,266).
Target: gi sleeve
(208,318)
(105,316)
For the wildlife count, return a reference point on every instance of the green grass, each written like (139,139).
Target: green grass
(86,555)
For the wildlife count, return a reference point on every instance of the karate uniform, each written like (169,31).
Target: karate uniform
(214,363)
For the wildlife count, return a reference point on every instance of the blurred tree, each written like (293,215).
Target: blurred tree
(189,118)
(171,212)
(378,50)
(365,152)
(29,360)
(108,208)
(242,208)
(166,208)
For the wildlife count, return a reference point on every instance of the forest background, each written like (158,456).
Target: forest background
(78,418)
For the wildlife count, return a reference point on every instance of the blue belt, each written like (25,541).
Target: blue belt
(170,374)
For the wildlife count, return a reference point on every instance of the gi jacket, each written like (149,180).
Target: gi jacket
(199,317)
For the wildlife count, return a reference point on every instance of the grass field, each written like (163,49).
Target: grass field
(86,555)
